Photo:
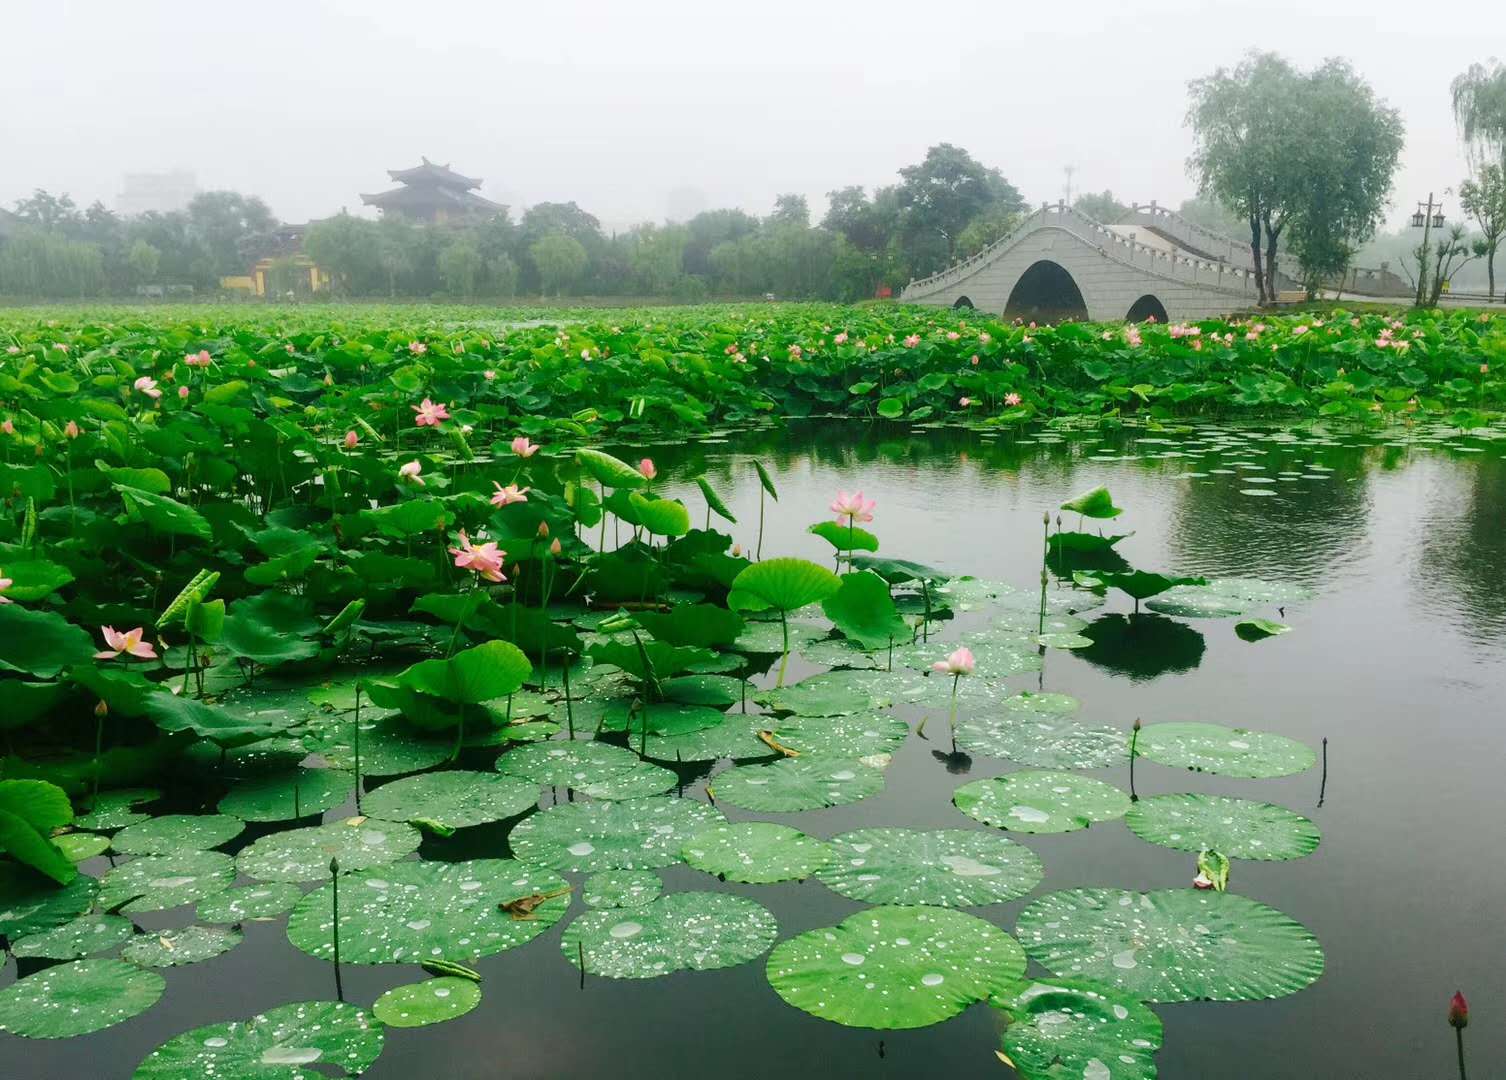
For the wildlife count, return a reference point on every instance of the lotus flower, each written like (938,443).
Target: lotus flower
(13,349)
(912,341)
(5,583)
(1458,1011)
(417,348)
(647,468)
(523,448)
(488,374)
(430,413)
(351,438)
(484,559)
(198,359)
(960,662)
(506,496)
(8,426)
(1011,399)
(964,401)
(129,642)
(72,430)
(182,392)
(1202,881)
(839,339)
(554,546)
(148,386)
(410,471)
(852,509)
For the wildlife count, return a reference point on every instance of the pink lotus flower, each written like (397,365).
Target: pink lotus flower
(488,374)
(60,347)
(795,352)
(13,349)
(430,413)
(182,391)
(960,662)
(351,438)
(5,583)
(410,471)
(71,430)
(8,426)
(964,401)
(1298,331)
(912,341)
(1011,399)
(198,359)
(484,559)
(852,509)
(129,642)
(648,469)
(952,335)
(506,496)
(417,348)
(148,386)
(975,359)
(1202,881)
(840,339)
(523,448)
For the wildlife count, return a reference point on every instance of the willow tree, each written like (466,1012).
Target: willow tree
(1479,98)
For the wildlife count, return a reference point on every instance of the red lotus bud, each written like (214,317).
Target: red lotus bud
(543,529)
(1458,1011)
(103,710)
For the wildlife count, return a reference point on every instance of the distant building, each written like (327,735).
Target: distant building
(284,270)
(434,194)
(159,193)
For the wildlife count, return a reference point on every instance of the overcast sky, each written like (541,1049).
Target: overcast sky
(619,105)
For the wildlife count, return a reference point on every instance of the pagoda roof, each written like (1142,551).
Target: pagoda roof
(430,173)
(408,198)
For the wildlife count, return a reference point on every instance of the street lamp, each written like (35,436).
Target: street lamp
(1427,219)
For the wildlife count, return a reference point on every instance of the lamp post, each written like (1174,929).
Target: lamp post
(1427,218)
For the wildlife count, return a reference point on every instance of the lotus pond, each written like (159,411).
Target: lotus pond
(734,772)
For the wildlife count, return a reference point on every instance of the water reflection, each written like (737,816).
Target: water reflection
(1142,646)
(1462,545)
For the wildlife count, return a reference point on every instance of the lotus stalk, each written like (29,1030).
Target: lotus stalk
(334,893)
(1458,1019)
(1134,743)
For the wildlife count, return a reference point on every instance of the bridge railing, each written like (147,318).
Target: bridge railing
(1129,249)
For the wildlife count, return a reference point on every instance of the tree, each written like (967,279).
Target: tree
(503,273)
(460,267)
(144,261)
(791,210)
(1479,99)
(234,229)
(983,230)
(1452,252)
(559,260)
(941,195)
(706,230)
(48,211)
(1484,199)
(1102,207)
(348,248)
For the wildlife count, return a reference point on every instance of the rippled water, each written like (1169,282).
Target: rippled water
(1399,660)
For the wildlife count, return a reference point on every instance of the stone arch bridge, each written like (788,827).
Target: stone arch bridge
(1060,264)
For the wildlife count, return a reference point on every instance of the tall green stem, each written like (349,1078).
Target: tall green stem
(784,661)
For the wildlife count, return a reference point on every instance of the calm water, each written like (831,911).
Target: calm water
(1399,660)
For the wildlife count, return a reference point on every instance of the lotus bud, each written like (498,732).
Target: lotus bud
(1136,724)
(71,430)
(1458,1011)
(737,551)
(101,710)
(554,546)
(543,529)
(351,438)
(329,380)
(1045,517)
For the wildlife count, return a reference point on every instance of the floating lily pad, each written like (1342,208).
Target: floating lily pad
(1212,748)
(597,769)
(832,693)
(1038,801)
(389,745)
(636,834)
(77,998)
(1041,730)
(696,931)
(1259,629)
(621,888)
(117,809)
(659,718)
(1062,1028)
(895,967)
(969,593)
(735,737)
(432,1001)
(78,846)
(410,912)
(261,901)
(453,799)
(190,945)
(177,832)
(857,736)
(755,852)
(799,783)
(1172,944)
(158,882)
(1236,828)
(1063,641)
(286,794)
(1224,598)
(82,937)
(305,854)
(760,636)
(945,867)
(30,904)
(337,1039)
(1021,621)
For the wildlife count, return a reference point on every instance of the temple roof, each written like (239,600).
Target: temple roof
(406,198)
(431,174)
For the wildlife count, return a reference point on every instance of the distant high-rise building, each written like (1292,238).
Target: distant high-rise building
(159,193)
(432,193)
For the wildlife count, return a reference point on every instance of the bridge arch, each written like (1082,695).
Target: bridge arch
(1147,309)
(1046,292)
(963,303)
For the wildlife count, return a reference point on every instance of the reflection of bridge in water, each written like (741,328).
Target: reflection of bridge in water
(1059,263)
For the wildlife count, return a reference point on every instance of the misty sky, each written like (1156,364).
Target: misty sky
(617,105)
